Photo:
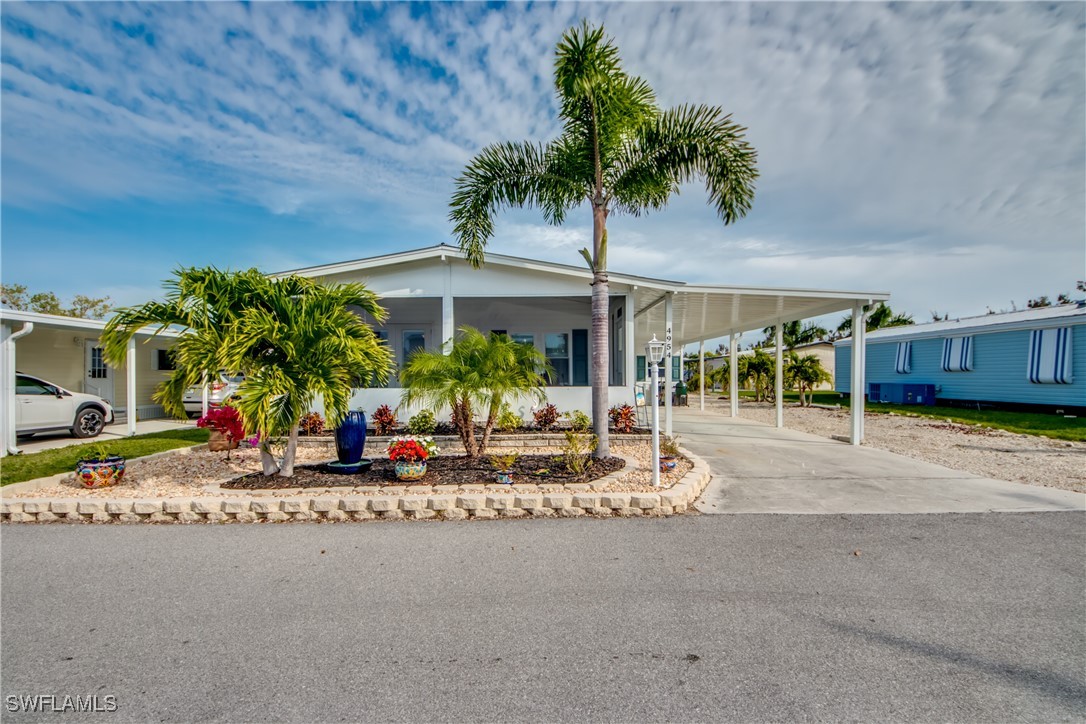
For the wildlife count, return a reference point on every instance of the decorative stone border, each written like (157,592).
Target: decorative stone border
(415,506)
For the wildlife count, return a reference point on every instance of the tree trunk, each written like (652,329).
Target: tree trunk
(267,459)
(600,344)
(287,469)
(491,417)
(467,429)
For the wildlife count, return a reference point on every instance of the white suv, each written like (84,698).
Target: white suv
(41,406)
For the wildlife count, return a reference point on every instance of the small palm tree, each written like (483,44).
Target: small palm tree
(293,338)
(479,372)
(796,334)
(759,370)
(806,373)
(618,153)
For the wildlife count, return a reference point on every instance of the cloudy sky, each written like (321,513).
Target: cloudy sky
(935,151)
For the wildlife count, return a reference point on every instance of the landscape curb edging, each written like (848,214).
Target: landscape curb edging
(436,505)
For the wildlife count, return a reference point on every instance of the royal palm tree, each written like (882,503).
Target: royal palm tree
(293,338)
(618,153)
(479,372)
(806,373)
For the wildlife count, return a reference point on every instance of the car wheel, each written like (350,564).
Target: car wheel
(88,423)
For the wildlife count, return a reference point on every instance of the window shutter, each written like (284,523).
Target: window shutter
(642,368)
(957,354)
(1050,356)
(903,360)
(676,368)
(580,357)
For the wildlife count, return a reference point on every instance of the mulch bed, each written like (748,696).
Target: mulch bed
(444,470)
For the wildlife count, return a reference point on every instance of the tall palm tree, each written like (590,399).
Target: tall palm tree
(479,372)
(293,338)
(617,152)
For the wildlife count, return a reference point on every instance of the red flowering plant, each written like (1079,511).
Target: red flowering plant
(226,420)
(409,449)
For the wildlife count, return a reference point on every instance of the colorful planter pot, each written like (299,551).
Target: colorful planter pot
(100,473)
(410,471)
(351,438)
(505,477)
(668,463)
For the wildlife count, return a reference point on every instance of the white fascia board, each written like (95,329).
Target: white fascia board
(56,321)
(966,330)
(784,292)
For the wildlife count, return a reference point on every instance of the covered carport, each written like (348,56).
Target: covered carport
(64,351)
(682,314)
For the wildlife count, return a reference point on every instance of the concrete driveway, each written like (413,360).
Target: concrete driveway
(115,431)
(760,469)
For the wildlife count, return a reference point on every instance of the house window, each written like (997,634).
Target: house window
(556,349)
(163,360)
(903,358)
(528,339)
(413,341)
(98,370)
(957,354)
(1050,356)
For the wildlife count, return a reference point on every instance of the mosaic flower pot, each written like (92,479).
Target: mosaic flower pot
(505,477)
(410,471)
(351,438)
(220,442)
(668,463)
(100,473)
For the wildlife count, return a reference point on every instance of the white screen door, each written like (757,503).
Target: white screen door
(98,380)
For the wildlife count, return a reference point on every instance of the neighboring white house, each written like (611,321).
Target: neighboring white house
(65,351)
(431,292)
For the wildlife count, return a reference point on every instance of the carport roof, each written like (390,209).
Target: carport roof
(699,311)
(76,324)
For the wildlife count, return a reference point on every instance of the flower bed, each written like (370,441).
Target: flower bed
(451,470)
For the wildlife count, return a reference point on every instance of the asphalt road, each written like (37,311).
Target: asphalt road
(702,618)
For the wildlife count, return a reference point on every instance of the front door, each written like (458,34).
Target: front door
(99,376)
(406,339)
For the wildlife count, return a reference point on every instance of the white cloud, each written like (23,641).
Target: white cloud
(887,134)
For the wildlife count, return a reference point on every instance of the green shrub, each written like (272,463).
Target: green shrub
(422,424)
(579,421)
(577,452)
(508,421)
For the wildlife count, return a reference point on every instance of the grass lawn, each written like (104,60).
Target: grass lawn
(1024,423)
(17,468)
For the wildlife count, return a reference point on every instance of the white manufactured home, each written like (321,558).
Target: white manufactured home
(433,291)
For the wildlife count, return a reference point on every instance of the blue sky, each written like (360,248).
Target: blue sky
(936,151)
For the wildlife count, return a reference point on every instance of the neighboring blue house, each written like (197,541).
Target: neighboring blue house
(1032,359)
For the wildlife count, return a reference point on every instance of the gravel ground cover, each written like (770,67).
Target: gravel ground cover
(187,473)
(998,454)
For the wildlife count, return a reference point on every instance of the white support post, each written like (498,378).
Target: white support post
(863,370)
(655,463)
(668,355)
(130,387)
(448,323)
(7,372)
(778,381)
(630,378)
(856,393)
(733,373)
(203,397)
(701,373)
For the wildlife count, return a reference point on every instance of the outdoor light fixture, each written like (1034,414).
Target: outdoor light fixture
(654,351)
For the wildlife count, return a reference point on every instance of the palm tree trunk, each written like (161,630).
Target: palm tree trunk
(267,459)
(491,417)
(287,469)
(600,318)
(467,429)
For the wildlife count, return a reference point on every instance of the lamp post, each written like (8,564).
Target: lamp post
(654,351)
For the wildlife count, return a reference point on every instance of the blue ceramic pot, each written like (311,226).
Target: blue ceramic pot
(351,438)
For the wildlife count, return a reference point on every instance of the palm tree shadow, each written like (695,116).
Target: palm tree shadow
(1067,691)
